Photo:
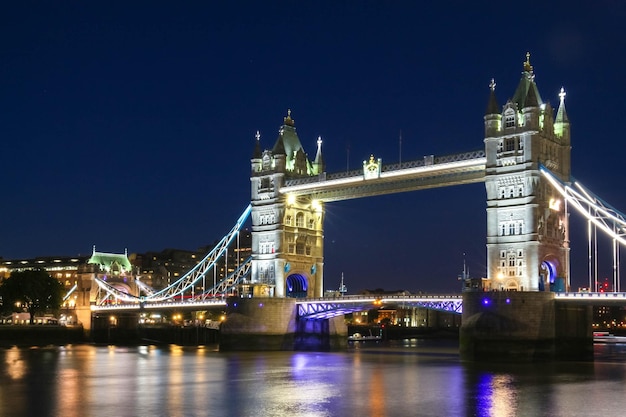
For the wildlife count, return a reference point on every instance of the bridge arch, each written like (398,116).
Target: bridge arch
(548,272)
(296,286)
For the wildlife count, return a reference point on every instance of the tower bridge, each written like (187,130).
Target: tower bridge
(526,168)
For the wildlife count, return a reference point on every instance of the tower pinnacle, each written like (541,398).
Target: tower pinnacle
(527,66)
(561,114)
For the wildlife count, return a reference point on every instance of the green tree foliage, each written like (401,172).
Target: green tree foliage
(32,290)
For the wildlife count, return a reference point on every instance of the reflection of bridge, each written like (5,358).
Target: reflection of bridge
(525,166)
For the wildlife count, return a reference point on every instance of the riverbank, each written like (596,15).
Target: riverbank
(40,335)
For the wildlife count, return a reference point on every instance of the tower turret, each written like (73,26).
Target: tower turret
(561,124)
(256,161)
(493,115)
(318,164)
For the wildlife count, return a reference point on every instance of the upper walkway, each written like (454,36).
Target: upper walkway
(429,172)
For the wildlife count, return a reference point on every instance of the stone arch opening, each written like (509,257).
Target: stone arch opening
(297,286)
(548,274)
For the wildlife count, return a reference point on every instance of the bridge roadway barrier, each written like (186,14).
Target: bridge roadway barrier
(524,326)
(255,324)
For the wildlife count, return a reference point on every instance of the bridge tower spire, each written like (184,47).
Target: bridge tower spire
(527,223)
(287,231)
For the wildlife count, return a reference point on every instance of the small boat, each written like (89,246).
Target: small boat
(358,337)
(606,337)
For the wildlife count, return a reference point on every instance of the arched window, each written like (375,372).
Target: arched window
(300,220)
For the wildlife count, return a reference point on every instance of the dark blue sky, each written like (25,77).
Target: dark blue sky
(131,124)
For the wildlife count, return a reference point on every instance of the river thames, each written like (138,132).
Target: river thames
(406,378)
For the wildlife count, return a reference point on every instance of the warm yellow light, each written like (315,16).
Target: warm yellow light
(317,205)
(555,204)
(291,199)
(222,318)
(500,275)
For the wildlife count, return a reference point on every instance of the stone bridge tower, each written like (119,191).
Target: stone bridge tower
(287,231)
(527,221)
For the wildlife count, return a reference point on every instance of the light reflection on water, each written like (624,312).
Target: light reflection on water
(409,378)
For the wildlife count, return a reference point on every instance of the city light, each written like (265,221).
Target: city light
(555,204)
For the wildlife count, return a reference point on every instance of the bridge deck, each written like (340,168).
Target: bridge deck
(430,172)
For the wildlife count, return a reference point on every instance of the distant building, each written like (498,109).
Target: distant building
(155,270)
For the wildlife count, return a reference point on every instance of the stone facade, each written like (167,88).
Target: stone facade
(527,226)
(287,231)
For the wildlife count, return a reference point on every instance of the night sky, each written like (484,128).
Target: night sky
(130,125)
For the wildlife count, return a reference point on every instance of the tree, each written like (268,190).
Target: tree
(33,290)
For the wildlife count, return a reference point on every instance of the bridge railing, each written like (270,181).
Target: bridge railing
(592,295)
(349,298)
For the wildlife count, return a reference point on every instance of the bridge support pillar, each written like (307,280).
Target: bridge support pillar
(83,315)
(523,326)
(254,324)
(321,334)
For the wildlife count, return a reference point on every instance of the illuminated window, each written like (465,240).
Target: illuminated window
(509,118)
(299,220)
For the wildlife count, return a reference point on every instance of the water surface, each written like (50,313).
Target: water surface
(410,378)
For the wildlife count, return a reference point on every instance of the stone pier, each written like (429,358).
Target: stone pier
(255,324)
(523,326)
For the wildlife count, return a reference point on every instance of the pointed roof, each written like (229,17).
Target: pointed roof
(257,154)
(531,98)
(527,82)
(561,114)
(287,142)
(110,261)
(492,105)
(319,159)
